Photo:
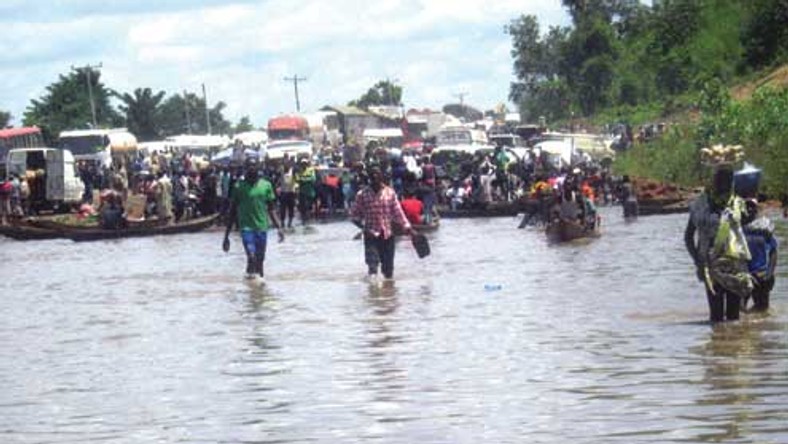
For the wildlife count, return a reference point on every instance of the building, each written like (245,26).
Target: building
(353,121)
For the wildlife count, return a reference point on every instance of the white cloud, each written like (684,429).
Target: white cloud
(243,50)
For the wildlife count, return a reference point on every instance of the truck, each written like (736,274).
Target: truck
(51,175)
(288,135)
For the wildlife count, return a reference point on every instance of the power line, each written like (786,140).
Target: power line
(295,79)
(88,69)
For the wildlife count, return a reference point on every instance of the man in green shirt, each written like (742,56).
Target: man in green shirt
(252,207)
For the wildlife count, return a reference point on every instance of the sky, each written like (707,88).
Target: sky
(242,50)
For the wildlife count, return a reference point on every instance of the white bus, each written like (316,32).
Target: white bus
(100,146)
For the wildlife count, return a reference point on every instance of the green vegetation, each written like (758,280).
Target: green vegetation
(384,92)
(5,118)
(623,61)
(66,106)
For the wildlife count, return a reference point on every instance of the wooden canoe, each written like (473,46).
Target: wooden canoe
(189,226)
(28,232)
(566,231)
(492,209)
(49,229)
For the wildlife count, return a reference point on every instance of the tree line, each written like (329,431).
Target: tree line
(622,54)
(149,115)
(66,105)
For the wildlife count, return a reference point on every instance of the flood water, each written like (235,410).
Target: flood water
(162,340)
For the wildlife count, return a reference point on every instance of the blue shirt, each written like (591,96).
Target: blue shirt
(761,243)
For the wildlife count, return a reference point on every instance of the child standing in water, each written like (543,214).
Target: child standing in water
(762,243)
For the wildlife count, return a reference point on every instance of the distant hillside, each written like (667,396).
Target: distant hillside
(777,78)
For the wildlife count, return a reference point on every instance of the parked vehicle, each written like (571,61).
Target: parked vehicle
(99,146)
(457,144)
(51,174)
(288,135)
(24,137)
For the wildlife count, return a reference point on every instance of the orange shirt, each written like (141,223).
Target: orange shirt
(588,192)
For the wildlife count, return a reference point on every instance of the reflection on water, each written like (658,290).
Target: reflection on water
(496,337)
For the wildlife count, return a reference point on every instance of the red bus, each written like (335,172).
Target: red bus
(24,137)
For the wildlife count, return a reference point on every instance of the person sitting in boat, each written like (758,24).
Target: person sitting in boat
(456,194)
(568,209)
(413,208)
(587,215)
(111,211)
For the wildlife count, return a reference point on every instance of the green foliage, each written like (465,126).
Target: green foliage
(142,112)
(185,114)
(671,158)
(243,125)
(766,32)
(5,119)
(623,52)
(383,93)
(760,125)
(66,105)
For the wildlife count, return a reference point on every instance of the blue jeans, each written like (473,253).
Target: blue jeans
(255,243)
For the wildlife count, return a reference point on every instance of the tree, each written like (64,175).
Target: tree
(5,119)
(66,105)
(539,90)
(383,93)
(142,112)
(588,63)
(243,125)
(185,114)
(766,34)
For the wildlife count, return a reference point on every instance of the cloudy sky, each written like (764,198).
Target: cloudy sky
(242,49)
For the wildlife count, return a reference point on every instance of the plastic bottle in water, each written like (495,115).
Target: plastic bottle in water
(493,287)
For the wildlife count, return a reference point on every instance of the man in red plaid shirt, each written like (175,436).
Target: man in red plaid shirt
(374,210)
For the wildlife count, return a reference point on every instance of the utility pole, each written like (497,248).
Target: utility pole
(461,96)
(207,114)
(188,117)
(295,79)
(88,69)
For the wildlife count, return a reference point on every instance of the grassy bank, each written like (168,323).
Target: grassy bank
(758,121)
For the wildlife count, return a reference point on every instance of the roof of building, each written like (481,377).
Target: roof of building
(346,110)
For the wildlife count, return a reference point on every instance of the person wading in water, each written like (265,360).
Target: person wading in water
(374,210)
(252,207)
(720,251)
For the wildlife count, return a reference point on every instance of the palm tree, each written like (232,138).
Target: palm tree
(142,112)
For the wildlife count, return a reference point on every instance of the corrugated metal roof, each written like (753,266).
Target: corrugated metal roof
(347,110)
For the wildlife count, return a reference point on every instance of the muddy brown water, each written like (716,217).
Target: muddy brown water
(162,340)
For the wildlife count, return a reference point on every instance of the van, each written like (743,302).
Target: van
(52,176)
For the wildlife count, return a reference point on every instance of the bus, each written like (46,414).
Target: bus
(101,146)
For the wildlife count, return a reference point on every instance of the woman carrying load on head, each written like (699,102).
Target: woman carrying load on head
(719,251)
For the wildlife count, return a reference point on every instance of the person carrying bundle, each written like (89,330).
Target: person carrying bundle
(720,252)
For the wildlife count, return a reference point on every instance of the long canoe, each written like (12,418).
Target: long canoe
(28,232)
(653,210)
(493,209)
(49,229)
(189,226)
